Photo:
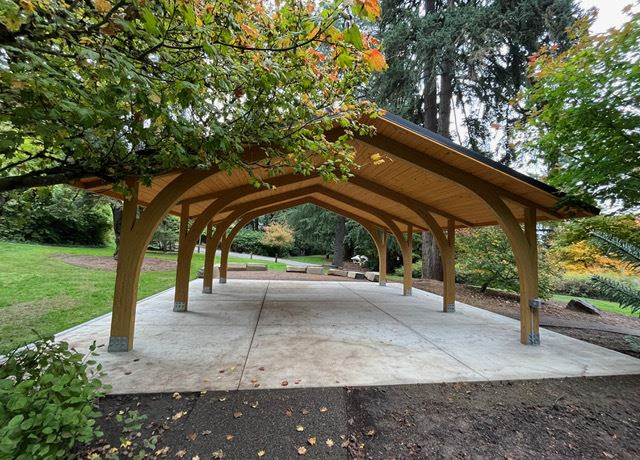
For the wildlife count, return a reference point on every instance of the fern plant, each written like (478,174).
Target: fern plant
(626,295)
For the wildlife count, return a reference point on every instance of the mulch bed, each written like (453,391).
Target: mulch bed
(150,264)
(554,418)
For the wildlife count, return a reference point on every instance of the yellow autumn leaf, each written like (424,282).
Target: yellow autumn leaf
(312,440)
(27,6)
(261,453)
(377,159)
(102,6)
(375,59)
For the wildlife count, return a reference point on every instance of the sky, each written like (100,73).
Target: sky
(610,13)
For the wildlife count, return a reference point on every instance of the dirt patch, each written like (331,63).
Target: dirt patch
(109,263)
(554,418)
(509,305)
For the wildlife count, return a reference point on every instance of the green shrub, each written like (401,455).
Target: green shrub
(47,394)
(248,241)
(56,215)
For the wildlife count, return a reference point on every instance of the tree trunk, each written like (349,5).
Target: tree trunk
(338,245)
(431,261)
(116,211)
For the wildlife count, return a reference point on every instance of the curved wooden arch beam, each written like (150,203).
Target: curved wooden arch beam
(377,235)
(135,235)
(243,221)
(181,295)
(209,257)
(446,244)
(187,245)
(380,237)
(522,246)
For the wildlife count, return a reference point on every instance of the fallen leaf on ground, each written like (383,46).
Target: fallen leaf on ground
(299,428)
(197,457)
(304,411)
(261,453)
(312,440)
(254,404)
(176,396)
(261,368)
(205,432)
(222,398)
(192,436)
(323,409)
(284,383)
(237,414)
(302,450)
(181,453)
(229,437)
(178,415)
(203,392)
(329,442)
(217,454)
(344,444)
(221,371)
(371,432)
(289,413)
(297,381)
(163,451)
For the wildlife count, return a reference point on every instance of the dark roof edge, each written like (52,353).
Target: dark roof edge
(481,158)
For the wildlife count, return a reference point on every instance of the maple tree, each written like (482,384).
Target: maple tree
(279,237)
(583,121)
(116,88)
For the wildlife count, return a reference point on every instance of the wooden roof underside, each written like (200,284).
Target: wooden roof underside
(420,169)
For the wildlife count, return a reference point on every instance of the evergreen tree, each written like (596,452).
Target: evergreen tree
(469,53)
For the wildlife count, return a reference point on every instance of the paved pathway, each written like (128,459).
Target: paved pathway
(265,258)
(263,334)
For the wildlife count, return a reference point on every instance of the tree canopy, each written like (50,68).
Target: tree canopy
(584,121)
(116,88)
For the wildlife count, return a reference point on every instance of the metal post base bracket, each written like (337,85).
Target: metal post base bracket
(451,308)
(407,292)
(207,290)
(534,338)
(223,281)
(535,303)
(118,344)
(180,306)
(382,283)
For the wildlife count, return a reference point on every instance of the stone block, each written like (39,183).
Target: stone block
(372,276)
(337,272)
(257,267)
(296,269)
(355,275)
(236,267)
(315,270)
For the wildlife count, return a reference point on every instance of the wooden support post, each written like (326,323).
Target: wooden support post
(533,292)
(382,259)
(209,256)
(407,261)
(224,258)
(127,276)
(449,272)
(183,269)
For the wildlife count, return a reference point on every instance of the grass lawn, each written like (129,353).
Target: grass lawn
(319,259)
(604,305)
(39,292)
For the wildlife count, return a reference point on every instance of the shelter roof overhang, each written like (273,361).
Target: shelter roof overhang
(421,170)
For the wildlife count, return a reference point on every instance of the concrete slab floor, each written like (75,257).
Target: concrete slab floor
(258,334)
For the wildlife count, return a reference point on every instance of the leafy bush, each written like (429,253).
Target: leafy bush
(278,237)
(46,400)
(578,287)
(56,215)
(484,258)
(248,241)
(167,234)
